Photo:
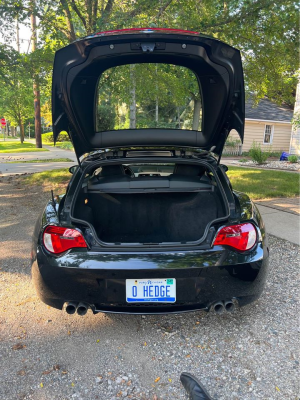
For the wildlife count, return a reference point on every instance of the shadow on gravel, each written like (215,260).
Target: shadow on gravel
(48,354)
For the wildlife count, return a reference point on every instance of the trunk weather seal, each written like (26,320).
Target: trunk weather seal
(141,245)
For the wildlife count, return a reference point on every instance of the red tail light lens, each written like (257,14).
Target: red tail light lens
(241,237)
(58,239)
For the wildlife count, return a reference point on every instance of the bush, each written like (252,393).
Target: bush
(65,145)
(47,137)
(62,137)
(106,116)
(293,158)
(257,155)
(232,142)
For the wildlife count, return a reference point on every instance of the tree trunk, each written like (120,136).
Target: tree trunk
(178,117)
(196,115)
(22,131)
(132,107)
(36,89)
(71,33)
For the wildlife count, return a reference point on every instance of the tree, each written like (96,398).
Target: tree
(16,100)
(264,31)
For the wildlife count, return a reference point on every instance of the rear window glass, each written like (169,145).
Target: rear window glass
(137,96)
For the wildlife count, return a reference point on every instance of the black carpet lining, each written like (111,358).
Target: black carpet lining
(150,217)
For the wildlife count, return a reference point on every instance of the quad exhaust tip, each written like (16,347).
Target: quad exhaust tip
(220,306)
(73,307)
(82,309)
(229,306)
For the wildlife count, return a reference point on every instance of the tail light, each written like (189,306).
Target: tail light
(58,239)
(241,237)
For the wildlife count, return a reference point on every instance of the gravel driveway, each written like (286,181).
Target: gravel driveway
(46,354)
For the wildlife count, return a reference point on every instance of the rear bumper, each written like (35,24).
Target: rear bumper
(202,278)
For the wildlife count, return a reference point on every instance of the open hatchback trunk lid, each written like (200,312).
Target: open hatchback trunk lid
(148,87)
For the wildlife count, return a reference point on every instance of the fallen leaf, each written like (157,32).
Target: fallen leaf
(69,332)
(197,323)
(56,367)
(41,384)
(145,344)
(21,373)
(27,301)
(157,379)
(47,372)
(72,384)
(188,355)
(64,372)
(277,388)
(18,346)
(98,340)
(170,380)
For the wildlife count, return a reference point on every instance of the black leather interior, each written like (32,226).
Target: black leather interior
(113,178)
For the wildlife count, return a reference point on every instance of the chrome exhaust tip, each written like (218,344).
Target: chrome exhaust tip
(82,309)
(218,307)
(71,307)
(229,306)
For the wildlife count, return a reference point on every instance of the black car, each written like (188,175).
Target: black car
(149,222)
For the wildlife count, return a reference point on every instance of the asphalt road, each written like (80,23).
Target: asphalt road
(46,354)
(18,167)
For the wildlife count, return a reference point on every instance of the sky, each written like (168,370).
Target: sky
(24,34)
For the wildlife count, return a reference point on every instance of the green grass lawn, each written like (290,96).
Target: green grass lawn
(45,160)
(263,184)
(18,147)
(257,183)
(54,178)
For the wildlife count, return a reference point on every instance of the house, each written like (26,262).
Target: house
(267,124)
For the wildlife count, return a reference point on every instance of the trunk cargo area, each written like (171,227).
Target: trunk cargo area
(149,217)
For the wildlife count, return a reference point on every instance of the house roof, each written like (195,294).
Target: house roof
(268,111)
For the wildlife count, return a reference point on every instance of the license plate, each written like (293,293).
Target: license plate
(151,290)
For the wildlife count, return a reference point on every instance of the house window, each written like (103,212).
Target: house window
(268,136)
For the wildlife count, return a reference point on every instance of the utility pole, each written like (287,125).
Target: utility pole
(36,88)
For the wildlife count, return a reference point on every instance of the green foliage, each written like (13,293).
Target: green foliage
(257,155)
(293,158)
(62,137)
(232,142)
(265,31)
(16,100)
(271,153)
(296,121)
(47,137)
(65,145)
(106,116)
(164,97)
(263,184)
